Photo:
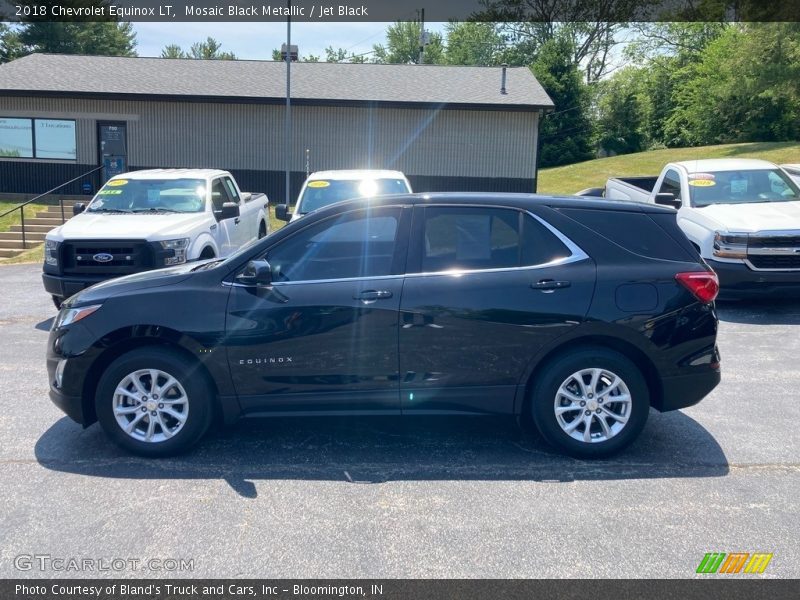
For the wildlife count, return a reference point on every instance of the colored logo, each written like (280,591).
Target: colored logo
(103,257)
(733,563)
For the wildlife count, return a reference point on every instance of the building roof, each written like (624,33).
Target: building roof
(264,81)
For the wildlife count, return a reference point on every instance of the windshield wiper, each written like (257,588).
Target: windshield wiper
(107,210)
(154,210)
(207,265)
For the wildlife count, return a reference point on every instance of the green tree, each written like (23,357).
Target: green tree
(173,51)
(473,43)
(209,50)
(103,38)
(565,134)
(10,46)
(620,112)
(402,45)
(337,55)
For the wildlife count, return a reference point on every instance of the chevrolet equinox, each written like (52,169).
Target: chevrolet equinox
(581,314)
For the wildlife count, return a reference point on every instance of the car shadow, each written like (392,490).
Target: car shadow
(760,312)
(365,450)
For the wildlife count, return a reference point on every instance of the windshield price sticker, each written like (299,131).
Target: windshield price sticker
(118,182)
(105,192)
(702,179)
(318,184)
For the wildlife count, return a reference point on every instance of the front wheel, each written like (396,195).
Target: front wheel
(262,230)
(58,301)
(591,403)
(153,402)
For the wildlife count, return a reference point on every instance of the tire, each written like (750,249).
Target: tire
(207,253)
(558,387)
(58,301)
(262,230)
(189,396)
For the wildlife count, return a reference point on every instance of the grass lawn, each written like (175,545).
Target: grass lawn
(594,173)
(13,219)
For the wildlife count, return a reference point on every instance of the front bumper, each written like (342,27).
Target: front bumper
(71,405)
(739,281)
(65,286)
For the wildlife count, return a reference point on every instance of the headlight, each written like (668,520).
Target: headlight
(730,245)
(51,252)
(67,316)
(179,246)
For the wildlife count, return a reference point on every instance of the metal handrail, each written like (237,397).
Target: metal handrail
(21,207)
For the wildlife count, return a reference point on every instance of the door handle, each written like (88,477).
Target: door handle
(373,295)
(550,285)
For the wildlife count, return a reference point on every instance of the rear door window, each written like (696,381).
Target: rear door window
(469,238)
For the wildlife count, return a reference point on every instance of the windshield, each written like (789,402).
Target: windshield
(741,187)
(150,195)
(322,192)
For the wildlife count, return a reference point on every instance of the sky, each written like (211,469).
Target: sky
(257,40)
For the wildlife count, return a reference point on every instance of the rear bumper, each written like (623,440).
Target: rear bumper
(739,281)
(687,390)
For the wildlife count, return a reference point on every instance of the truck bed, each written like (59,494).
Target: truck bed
(638,189)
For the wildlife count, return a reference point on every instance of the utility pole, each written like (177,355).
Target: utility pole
(288,124)
(422,36)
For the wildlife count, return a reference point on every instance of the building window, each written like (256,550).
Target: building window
(16,138)
(38,138)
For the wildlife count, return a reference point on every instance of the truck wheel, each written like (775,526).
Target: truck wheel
(58,301)
(591,403)
(262,230)
(153,402)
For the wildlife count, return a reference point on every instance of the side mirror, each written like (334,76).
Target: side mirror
(257,272)
(282,212)
(78,208)
(668,199)
(230,210)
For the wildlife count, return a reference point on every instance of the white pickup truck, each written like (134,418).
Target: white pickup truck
(324,188)
(150,219)
(742,215)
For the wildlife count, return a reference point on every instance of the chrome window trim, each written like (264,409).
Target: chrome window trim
(577,255)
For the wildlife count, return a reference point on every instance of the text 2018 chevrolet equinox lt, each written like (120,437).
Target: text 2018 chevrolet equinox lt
(581,314)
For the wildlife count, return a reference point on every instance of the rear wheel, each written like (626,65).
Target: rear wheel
(153,402)
(590,403)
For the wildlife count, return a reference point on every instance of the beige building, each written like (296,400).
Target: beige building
(447,128)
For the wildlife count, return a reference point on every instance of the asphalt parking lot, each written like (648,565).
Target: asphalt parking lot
(419,498)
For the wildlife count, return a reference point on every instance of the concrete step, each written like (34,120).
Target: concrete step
(51,215)
(15,244)
(51,221)
(30,236)
(9,253)
(32,228)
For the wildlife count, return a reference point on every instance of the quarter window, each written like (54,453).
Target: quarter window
(355,244)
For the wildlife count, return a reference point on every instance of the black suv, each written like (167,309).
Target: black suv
(581,314)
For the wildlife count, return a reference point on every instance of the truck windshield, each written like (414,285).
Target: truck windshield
(150,195)
(742,187)
(322,192)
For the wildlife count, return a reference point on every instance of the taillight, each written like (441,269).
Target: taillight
(704,285)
